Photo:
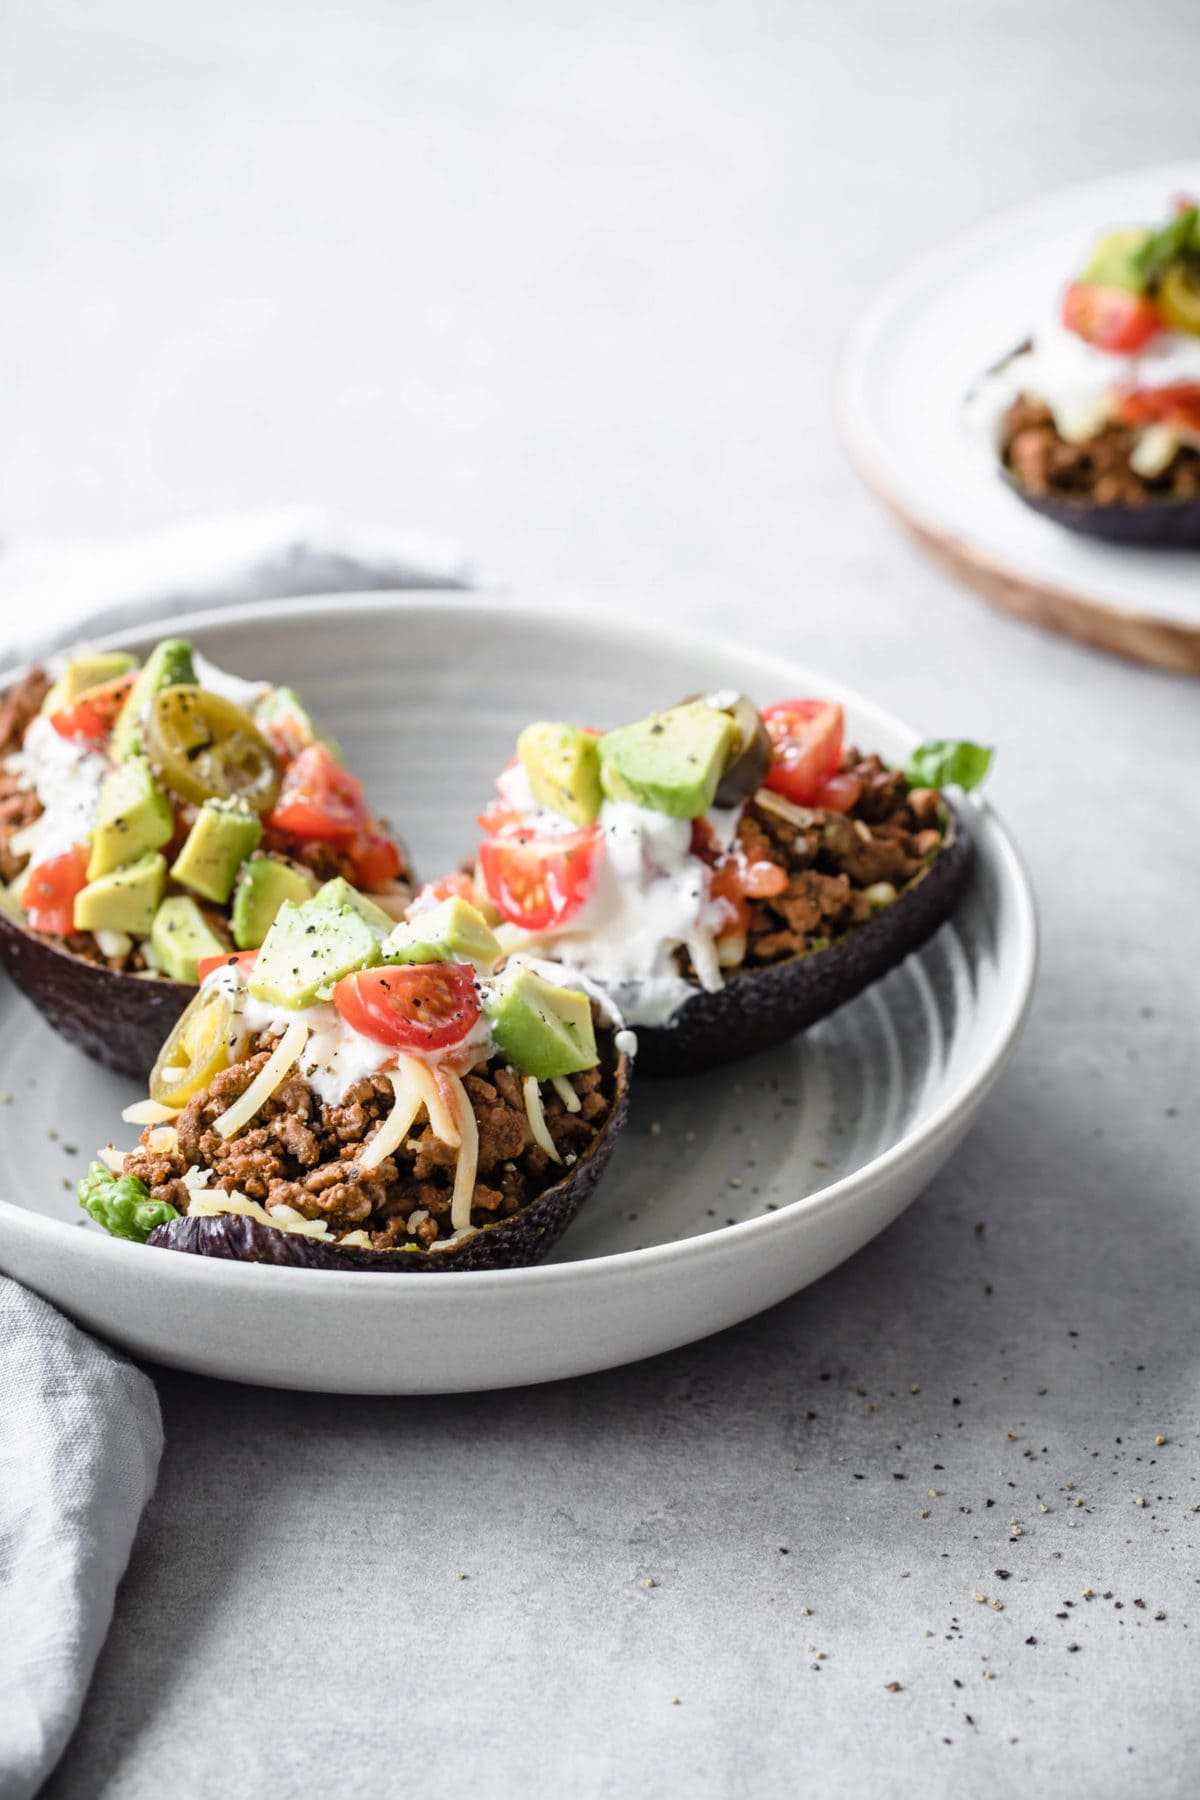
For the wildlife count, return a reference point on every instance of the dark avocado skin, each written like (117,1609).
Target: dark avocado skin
(1158,525)
(121,1021)
(762,1007)
(514,1243)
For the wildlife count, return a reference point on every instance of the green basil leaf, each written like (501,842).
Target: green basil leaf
(949,762)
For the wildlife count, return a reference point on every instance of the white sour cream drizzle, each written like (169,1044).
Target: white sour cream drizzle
(1078,382)
(651,898)
(66,778)
(335,1055)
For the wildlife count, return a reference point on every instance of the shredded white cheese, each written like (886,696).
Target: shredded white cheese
(282,1218)
(112,1158)
(149,1112)
(285,1053)
(410,1098)
(468,1157)
(539,1131)
(445,1125)
(566,1093)
(163,1140)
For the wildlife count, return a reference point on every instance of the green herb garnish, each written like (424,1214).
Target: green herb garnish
(1177,240)
(949,762)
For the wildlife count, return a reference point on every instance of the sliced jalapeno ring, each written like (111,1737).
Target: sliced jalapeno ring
(206,1039)
(203,747)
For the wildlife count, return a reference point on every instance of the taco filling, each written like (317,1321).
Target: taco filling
(670,854)
(1102,405)
(375,1086)
(153,816)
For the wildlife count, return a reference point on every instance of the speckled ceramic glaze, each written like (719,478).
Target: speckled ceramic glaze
(727,1191)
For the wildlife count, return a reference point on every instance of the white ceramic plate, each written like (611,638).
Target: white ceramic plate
(915,352)
(728,1191)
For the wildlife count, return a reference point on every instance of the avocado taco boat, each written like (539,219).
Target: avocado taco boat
(728,877)
(1096,419)
(152,817)
(358,1094)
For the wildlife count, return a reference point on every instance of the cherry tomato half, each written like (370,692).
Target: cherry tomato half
(1177,404)
(90,717)
(840,792)
(410,1006)
(241,960)
(320,800)
(48,894)
(1109,317)
(540,882)
(806,744)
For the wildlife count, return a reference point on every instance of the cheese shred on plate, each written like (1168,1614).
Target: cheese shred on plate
(410,1098)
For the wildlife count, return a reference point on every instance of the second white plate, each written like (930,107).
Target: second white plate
(911,358)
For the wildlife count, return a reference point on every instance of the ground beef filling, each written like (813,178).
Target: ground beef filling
(301,1153)
(1097,470)
(20,806)
(835,861)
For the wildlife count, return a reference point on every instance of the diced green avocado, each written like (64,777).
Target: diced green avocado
(563,766)
(338,894)
(307,949)
(169,664)
(225,833)
(453,931)
(1112,261)
(126,900)
(181,937)
(670,762)
(543,1030)
(84,672)
(133,817)
(262,887)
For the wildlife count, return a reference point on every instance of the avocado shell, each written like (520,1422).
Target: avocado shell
(1156,525)
(119,1020)
(759,1008)
(512,1243)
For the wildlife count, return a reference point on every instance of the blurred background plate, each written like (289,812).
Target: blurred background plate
(910,360)
(727,1193)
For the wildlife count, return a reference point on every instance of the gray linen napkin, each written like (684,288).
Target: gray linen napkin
(80,1439)
(80,1431)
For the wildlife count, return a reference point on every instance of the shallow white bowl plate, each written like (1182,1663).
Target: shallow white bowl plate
(728,1192)
(917,350)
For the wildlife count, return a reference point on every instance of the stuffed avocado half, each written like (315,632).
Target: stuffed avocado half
(1096,419)
(360,1094)
(157,815)
(726,876)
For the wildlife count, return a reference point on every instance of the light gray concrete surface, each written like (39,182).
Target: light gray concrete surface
(568,285)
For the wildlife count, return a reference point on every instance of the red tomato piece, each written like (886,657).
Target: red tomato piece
(410,1006)
(1111,318)
(840,793)
(1176,404)
(540,882)
(761,880)
(320,801)
(90,717)
(725,887)
(377,860)
(806,744)
(241,960)
(48,894)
